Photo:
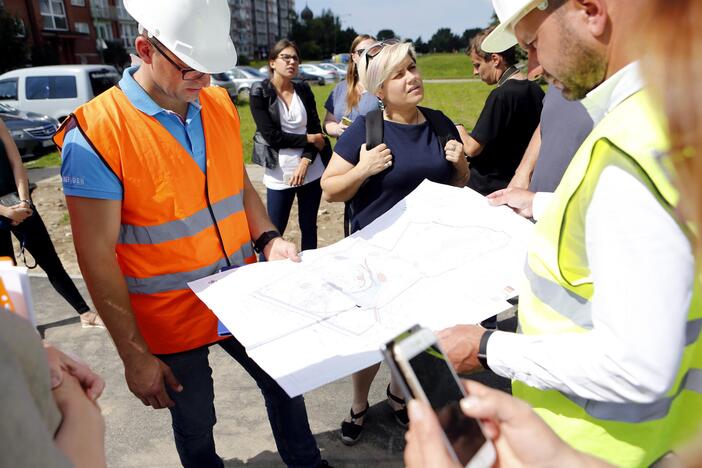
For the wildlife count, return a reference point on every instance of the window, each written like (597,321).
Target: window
(128,33)
(83,28)
(103,31)
(51,87)
(8,90)
(53,14)
(78,2)
(102,80)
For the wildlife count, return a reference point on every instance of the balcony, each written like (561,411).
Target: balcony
(100,12)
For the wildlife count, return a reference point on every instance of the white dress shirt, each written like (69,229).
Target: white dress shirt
(643,269)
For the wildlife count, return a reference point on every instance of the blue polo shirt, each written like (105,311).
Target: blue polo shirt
(83,172)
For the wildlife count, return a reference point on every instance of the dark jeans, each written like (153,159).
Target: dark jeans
(280,202)
(35,237)
(194,417)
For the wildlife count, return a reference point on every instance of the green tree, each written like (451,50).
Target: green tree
(320,37)
(467,35)
(13,53)
(444,40)
(385,34)
(420,46)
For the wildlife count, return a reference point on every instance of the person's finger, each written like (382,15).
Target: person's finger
(153,402)
(429,432)
(497,193)
(484,403)
(170,379)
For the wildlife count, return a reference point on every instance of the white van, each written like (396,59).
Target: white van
(55,90)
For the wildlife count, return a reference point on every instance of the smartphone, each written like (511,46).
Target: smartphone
(346,121)
(427,375)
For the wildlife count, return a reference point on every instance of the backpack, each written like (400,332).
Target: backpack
(442,126)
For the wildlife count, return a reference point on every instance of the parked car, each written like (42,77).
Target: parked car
(244,78)
(343,67)
(315,70)
(32,132)
(301,76)
(341,73)
(226,82)
(55,90)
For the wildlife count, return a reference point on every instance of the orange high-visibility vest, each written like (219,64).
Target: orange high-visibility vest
(178,224)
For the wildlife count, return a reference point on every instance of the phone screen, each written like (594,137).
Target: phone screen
(444,394)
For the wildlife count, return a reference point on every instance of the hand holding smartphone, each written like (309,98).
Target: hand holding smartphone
(419,364)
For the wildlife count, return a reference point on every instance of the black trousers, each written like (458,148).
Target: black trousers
(33,234)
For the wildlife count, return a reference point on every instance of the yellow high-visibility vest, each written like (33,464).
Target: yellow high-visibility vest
(557,297)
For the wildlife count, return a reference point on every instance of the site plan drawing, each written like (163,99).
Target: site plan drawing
(440,257)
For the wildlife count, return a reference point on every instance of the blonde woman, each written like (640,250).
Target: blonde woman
(349,98)
(375,180)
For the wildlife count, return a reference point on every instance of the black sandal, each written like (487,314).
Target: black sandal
(350,431)
(400,415)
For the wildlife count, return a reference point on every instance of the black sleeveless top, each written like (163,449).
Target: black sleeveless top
(7,178)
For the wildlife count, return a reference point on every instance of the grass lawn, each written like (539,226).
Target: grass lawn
(445,66)
(52,159)
(433,66)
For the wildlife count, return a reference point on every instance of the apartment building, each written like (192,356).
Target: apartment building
(258,24)
(56,31)
(113,23)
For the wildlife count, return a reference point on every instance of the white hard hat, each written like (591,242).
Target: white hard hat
(509,12)
(196,31)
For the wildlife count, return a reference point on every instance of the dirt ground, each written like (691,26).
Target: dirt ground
(50,202)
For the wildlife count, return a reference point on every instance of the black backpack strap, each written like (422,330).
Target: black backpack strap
(442,126)
(374,128)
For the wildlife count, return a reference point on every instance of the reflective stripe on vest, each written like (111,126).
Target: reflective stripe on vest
(180,280)
(557,298)
(185,227)
(639,412)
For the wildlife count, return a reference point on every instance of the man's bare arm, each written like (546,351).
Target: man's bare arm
(95,224)
(471,146)
(522,176)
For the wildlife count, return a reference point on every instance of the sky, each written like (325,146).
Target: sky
(407,18)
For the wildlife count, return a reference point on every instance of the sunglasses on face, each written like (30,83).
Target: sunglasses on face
(289,58)
(375,49)
(187,74)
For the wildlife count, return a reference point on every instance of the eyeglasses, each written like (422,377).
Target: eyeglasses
(289,58)
(187,74)
(359,52)
(375,49)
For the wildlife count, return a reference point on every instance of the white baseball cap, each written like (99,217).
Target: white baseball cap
(196,31)
(509,13)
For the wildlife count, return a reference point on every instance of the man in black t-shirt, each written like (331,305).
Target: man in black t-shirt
(507,121)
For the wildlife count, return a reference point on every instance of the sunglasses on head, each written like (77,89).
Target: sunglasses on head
(375,49)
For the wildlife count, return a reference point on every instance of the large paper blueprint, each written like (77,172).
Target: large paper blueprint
(440,257)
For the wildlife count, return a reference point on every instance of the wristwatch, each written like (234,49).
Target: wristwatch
(482,349)
(264,239)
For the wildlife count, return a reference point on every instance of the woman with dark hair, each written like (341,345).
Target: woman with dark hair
(23,220)
(287,141)
(349,98)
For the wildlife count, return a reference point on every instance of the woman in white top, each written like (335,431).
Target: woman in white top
(286,117)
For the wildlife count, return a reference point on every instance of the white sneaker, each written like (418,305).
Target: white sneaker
(91,320)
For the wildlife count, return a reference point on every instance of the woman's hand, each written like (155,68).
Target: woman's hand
(61,364)
(376,160)
(455,155)
(17,213)
(298,177)
(338,128)
(317,139)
